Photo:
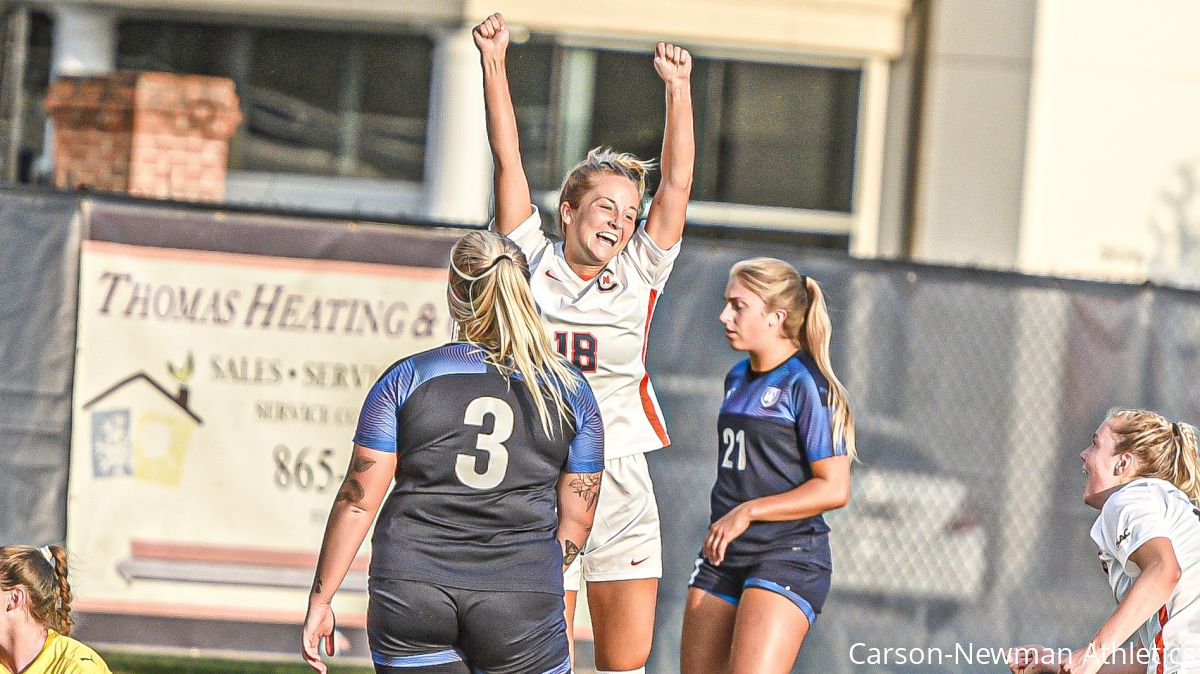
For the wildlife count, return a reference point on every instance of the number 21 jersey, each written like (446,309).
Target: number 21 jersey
(772,427)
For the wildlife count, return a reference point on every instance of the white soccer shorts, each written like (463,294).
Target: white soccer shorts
(625,543)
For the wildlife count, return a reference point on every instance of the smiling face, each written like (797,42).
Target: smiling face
(749,324)
(595,232)
(1105,469)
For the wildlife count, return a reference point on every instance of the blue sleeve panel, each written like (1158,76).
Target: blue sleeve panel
(586,454)
(378,422)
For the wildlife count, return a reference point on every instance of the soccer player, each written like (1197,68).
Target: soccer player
(35,615)
(1143,477)
(596,290)
(496,446)
(785,439)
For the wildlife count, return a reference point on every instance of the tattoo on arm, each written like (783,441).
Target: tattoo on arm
(361,464)
(317,586)
(351,491)
(570,552)
(587,487)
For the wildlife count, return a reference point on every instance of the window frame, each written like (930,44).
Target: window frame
(861,223)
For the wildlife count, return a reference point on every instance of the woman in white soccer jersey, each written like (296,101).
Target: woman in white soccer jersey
(1143,477)
(785,438)
(596,291)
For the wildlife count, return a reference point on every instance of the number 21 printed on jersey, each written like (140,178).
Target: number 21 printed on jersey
(735,448)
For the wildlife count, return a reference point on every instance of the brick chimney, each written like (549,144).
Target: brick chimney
(150,134)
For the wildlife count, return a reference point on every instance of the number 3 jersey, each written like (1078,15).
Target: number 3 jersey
(773,426)
(474,504)
(602,326)
(1141,510)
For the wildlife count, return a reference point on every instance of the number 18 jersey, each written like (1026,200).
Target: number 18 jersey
(474,505)
(602,325)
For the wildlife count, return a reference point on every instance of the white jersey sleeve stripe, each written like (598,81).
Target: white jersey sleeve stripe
(649,403)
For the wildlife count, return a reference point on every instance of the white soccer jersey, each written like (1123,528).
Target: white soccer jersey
(603,326)
(1141,510)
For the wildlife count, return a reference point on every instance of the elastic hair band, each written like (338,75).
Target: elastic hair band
(1178,445)
(490,267)
(804,283)
(49,556)
(502,256)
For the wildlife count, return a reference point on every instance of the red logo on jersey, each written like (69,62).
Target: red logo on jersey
(606,281)
(553,276)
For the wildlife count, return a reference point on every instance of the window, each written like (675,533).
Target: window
(766,134)
(532,74)
(315,102)
(774,135)
(786,136)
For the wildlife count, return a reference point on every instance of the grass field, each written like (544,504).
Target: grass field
(121,663)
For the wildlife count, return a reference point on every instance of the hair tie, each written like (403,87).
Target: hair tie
(804,283)
(49,556)
(502,256)
(1178,446)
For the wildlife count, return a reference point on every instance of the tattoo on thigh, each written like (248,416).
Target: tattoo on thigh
(570,552)
(351,491)
(587,487)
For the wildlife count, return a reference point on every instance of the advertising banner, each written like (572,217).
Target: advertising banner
(216,396)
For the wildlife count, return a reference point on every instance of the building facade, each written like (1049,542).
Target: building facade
(374,109)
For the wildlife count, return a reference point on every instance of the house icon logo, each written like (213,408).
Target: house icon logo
(142,430)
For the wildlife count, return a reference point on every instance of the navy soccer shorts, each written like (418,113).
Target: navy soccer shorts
(421,627)
(804,581)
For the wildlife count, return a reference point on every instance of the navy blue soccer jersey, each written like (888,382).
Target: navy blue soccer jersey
(773,426)
(474,505)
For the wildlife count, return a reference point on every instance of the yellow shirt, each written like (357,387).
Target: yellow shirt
(64,655)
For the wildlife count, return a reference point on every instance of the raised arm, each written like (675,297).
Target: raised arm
(577,497)
(668,210)
(367,481)
(1150,590)
(513,202)
(828,489)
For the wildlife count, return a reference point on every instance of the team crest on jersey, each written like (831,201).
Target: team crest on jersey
(770,396)
(606,281)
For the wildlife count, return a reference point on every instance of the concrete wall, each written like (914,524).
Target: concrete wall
(972,127)
(1114,146)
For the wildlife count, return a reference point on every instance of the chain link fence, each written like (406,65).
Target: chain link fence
(974,394)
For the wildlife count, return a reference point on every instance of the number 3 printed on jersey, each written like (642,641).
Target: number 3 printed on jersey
(492,443)
(582,351)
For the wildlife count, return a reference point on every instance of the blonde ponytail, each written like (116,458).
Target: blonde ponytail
(781,287)
(1165,450)
(814,337)
(492,307)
